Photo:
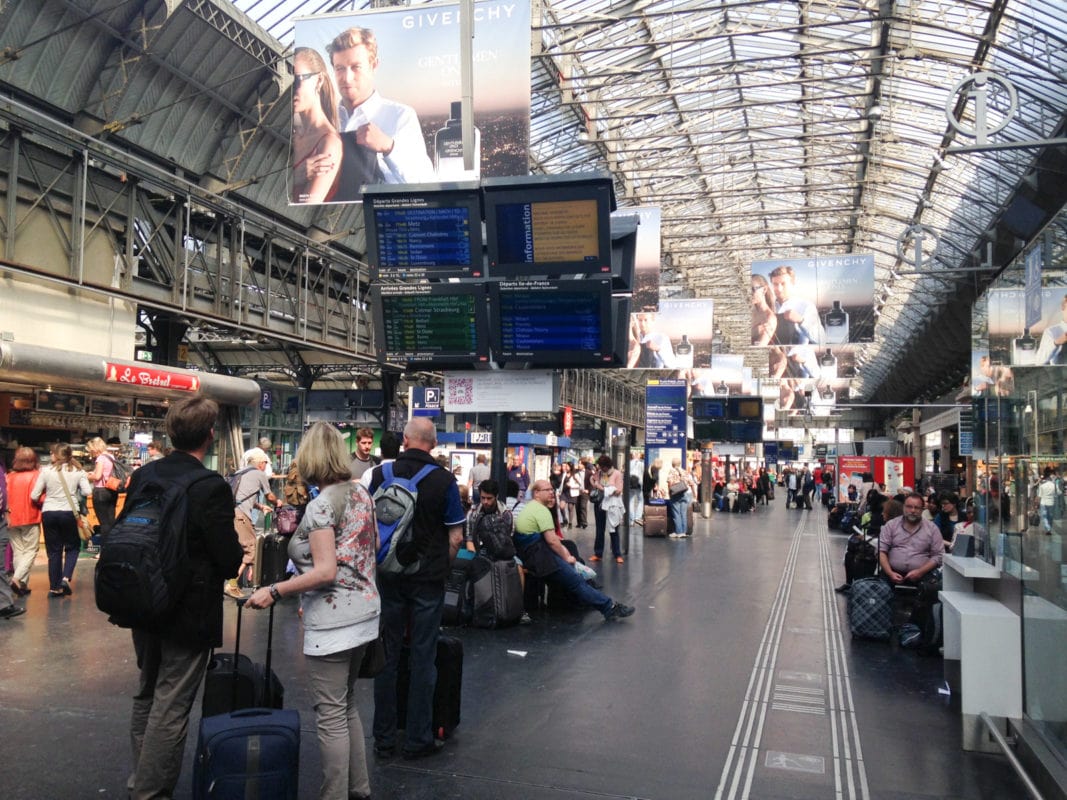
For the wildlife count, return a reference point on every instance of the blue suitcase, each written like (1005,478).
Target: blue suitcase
(250,753)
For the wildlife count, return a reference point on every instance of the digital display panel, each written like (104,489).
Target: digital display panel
(424,231)
(547,226)
(729,408)
(552,323)
(728,419)
(431,324)
(727,430)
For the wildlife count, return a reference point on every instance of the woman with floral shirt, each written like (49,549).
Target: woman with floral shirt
(334,552)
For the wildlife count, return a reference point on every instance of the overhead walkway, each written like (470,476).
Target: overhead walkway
(735,678)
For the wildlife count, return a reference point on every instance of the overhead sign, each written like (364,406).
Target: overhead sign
(665,417)
(143,376)
(425,401)
(500,391)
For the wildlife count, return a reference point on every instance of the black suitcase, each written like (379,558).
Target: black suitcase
(233,681)
(272,557)
(249,753)
(870,609)
(446,694)
(655,519)
(497,599)
(457,608)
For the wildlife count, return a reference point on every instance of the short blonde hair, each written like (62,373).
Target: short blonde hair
(322,459)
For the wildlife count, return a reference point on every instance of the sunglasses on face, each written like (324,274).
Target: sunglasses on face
(300,77)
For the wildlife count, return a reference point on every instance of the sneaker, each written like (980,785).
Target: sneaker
(674,535)
(618,611)
(11,611)
(384,751)
(595,558)
(525,619)
(66,587)
(844,588)
(231,589)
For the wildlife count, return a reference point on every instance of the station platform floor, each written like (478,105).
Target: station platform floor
(735,678)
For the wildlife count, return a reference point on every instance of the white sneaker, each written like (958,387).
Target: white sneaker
(674,536)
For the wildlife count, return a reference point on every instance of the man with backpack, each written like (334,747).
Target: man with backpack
(413,600)
(490,525)
(247,485)
(173,649)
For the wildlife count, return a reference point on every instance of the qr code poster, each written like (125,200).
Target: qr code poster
(503,391)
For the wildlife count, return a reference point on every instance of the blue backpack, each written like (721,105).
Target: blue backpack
(394,508)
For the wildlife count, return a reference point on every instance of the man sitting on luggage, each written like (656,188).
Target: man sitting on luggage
(543,554)
(489,525)
(909,546)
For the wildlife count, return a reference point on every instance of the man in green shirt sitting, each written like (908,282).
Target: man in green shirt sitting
(543,554)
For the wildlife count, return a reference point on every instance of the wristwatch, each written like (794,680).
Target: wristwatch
(274,593)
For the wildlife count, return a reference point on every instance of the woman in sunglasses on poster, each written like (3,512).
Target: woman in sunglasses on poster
(314,129)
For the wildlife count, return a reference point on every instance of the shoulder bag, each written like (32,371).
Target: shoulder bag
(85,530)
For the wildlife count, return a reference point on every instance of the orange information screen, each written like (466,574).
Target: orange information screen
(565,231)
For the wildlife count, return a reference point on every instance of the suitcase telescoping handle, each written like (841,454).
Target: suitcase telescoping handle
(237,650)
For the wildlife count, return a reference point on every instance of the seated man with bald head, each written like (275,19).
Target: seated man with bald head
(543,554)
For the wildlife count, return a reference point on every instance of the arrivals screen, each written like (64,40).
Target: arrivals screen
(431,325)
(728,419)
(425,232)
(552,323)
(548,226)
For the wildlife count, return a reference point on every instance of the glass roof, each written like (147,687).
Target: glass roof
(765,128)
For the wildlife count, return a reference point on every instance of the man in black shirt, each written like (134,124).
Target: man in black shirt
(173,655)
(414,602)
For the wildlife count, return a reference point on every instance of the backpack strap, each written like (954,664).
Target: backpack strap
(387,474)
(422,473)
(238,474)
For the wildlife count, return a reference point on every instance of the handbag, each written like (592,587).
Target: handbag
(678,488)
(596,495)
(373,659)
(85,530)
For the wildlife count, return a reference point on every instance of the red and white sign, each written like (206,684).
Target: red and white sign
(156,378)
(568,420)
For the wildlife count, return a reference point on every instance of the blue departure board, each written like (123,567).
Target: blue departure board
(417,231)
(552,323)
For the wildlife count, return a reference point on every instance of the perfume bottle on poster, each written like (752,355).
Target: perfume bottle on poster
(836,324)
(683,353)
(1024,350)
(448,148)
(828,365)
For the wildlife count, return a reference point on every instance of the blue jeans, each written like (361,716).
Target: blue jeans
(679,513)
(637,505)
(421,603)
(598,542)
(585,594)
(1046,517)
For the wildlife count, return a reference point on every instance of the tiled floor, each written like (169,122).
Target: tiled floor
(735,678)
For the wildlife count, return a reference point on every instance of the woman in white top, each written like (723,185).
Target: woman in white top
(334,552)
(61,540)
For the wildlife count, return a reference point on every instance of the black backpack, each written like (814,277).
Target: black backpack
(144,561)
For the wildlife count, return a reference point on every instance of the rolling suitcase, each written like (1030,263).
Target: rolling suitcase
(249,753)
(233,681)
(497,595)
(446,694)
(272,557)
(655,518)
(457,607)
(870,608)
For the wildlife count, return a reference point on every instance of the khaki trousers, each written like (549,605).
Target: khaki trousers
(170,677)
(332,679)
